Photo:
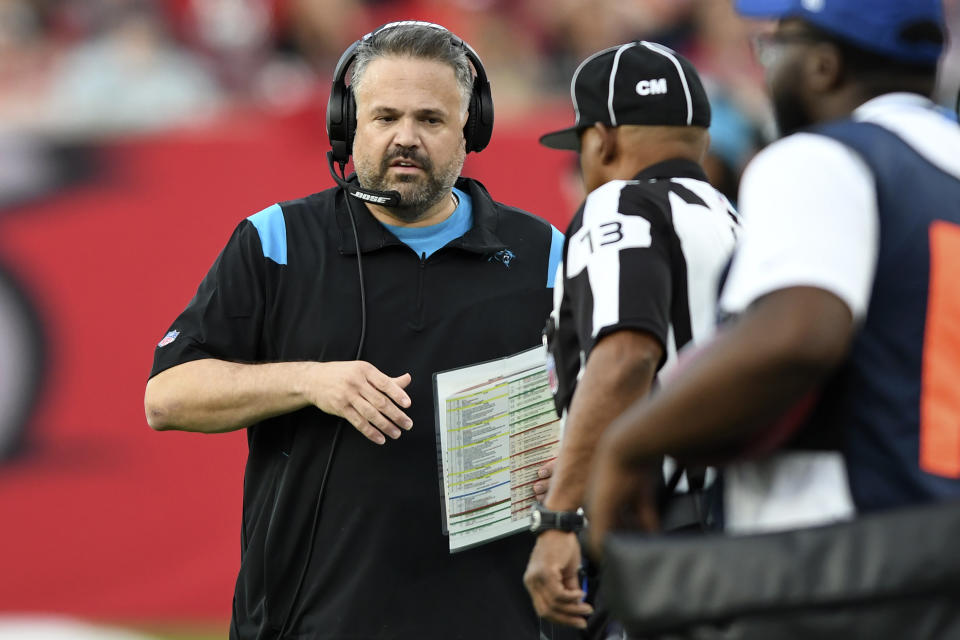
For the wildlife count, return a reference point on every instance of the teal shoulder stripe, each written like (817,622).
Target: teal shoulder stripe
(556,253)
(273,233)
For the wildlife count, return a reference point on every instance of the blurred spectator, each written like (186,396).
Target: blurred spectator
(235,35)
(129,76)
(505,35)
(577,28)
(25,59)
(309,36)
(948,92)
(99,67)
(734,139)
(319,30)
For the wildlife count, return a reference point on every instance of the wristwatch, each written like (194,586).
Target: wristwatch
(543,519)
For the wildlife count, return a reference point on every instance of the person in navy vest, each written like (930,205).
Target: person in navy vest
(843,297)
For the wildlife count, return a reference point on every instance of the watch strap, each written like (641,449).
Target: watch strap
(543,519)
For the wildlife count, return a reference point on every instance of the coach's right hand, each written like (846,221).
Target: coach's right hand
(360,393)
(214,396)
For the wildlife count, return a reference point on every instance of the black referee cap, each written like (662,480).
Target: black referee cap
(639,82)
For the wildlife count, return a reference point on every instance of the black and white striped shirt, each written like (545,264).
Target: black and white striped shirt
(644,254)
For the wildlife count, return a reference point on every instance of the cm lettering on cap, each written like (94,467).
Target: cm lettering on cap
(652,87)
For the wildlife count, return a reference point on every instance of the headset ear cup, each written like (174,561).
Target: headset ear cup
(337,126)
(479,126)
(470,128)
(341,114)
(350,120)
(481,121)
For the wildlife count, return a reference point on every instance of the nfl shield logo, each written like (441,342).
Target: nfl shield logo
(167,339)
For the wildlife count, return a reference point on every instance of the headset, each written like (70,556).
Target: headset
(342,108)
(341,126)
(342,112)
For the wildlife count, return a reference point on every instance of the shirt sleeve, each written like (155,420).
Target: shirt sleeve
(224,319)
(618,266)
(809,211)
(563,350)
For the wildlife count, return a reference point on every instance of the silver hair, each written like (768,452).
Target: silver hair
(416,41)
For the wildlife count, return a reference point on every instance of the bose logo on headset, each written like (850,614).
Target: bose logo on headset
(369,197)
(342,109)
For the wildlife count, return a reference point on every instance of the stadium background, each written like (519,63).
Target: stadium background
(133,137)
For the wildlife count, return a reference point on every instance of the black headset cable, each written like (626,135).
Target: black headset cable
(336,433)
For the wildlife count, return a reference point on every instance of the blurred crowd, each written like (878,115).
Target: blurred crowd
(85,69)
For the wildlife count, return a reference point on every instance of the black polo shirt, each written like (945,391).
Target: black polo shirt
(286,288)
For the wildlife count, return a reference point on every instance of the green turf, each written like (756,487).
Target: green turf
(176,632)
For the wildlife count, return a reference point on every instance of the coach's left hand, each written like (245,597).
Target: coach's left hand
(542,486)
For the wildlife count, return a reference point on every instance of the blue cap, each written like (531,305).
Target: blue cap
(872,25)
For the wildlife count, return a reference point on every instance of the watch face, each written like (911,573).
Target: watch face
(534,519)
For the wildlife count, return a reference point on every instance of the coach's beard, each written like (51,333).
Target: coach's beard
(418,192)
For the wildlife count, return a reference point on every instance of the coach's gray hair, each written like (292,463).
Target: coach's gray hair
(416,41)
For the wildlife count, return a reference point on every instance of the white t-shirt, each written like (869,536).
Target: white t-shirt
(809,212)
(809,209)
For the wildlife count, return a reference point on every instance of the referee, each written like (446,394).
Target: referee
(639,277)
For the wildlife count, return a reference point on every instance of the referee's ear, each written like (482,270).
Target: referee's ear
(704,147)
(608,143)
